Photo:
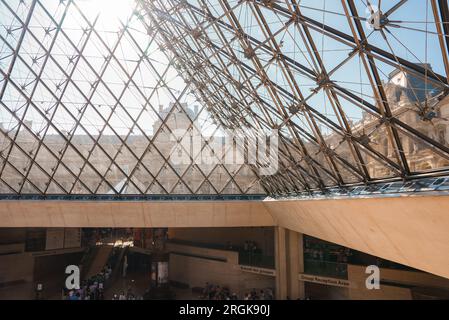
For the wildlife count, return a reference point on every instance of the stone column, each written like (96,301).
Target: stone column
(295,264)
(302,290)
(280,263)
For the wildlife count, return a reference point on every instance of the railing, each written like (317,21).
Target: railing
(326,268)
(87,260)
(130,197)
(254,259)
(437,184)
(115,261)
(315,267)
(203,245)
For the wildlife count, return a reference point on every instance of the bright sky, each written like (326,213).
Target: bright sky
(414,39)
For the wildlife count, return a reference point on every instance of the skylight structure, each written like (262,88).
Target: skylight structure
(101,97)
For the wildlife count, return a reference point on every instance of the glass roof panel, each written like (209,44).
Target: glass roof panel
(141,97)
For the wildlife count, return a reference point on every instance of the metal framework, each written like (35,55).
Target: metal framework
(80,96)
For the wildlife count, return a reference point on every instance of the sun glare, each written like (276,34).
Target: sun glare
(112,10)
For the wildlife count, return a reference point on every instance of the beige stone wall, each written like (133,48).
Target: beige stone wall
(358,290)
(262,236)
(405,280)
(395,285)
(408,230)
(230,257)
(317,291)
(134,214)
(384,293)
(196,271)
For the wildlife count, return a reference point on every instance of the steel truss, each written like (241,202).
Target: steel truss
(228,50)
(77,100)
(76,79)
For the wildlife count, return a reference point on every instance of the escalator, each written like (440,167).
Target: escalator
(96,261)
(87,260)
(116,262)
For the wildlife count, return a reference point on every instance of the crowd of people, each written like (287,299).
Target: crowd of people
(266,294)
(91,289)
(128,296)
(216,292)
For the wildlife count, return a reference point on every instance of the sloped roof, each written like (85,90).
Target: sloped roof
(97,71)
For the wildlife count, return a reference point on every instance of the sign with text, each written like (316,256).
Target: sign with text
(257,270)
(324,280)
